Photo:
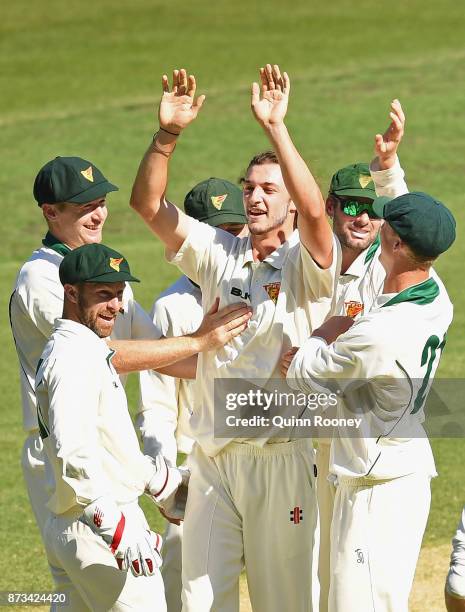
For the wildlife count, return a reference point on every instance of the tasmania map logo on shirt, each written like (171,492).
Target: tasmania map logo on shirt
(217,201)
(273,291)
(353,309)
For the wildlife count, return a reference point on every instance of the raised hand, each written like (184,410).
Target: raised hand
(270,107)
(178,106)
(386,144)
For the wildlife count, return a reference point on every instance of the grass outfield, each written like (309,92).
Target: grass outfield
(81,79)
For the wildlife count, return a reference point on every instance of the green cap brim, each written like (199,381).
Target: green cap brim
(113,277)
(357,193)
(227,217)
(379,204)
(94,192)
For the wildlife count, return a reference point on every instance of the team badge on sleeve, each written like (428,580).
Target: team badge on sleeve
(217,201)
(273,291)
(353,309)
(115,262)
(87,174)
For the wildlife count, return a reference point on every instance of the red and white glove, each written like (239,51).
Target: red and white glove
(164,481)
(174,506)
(135,547)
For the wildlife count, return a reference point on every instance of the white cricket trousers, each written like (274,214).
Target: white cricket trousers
(85,569)
(376,537)
(252,506)
(172,566)
(326,492)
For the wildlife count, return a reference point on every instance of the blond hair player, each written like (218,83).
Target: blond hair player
(382,366)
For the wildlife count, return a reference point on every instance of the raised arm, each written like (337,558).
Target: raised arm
(178,108)
(385,168)
(269,107)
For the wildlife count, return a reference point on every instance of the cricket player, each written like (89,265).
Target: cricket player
(71,193)
(455,582)
(349,204)
(100,548)
(166,403)
(242,490)
(382,365)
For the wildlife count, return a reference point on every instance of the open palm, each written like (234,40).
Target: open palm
(271,106)
(178,106)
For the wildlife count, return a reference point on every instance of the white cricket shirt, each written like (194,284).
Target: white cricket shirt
(289,295)
(84,422)
(383,367)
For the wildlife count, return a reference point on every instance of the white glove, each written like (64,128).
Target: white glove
(134,547)
(164,481)
(174,506)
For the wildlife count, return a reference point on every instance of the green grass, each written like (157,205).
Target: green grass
(84,79)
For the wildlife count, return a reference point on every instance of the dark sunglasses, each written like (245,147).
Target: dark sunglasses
(353,208)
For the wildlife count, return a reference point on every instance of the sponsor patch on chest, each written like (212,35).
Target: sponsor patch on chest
(273,291)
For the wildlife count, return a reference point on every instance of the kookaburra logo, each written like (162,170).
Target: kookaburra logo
(238,293)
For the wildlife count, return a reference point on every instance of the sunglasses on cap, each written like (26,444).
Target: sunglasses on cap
(353,208)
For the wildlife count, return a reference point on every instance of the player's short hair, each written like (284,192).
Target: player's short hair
(421,261)
(266,157)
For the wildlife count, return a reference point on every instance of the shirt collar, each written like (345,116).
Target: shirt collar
(277,257)
(78,329)
(420,294)
(53,243)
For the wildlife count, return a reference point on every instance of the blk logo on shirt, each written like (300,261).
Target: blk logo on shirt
(297,515)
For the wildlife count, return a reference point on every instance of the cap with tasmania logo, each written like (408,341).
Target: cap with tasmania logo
(94,263)
(353,181)
(70,179)
(215,201)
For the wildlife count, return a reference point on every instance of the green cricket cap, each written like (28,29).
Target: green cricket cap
(70,179)
(215,201)
(354,180)
(94,263)
(421,221)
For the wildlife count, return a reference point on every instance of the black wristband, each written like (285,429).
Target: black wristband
(168,132)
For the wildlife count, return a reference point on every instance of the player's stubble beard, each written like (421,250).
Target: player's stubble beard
(271,225)
(90,319)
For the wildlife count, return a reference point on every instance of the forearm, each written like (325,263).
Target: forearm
(315,231)
(148,192)
(137,355)
(185,368)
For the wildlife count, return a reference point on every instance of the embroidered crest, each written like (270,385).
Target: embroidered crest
(273,291)
(87,174)
(353,309)
(115,262)
(364,180)
(217,201)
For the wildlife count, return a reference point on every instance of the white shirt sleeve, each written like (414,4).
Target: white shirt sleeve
(390,183)
(41,296)
(157,416)
(321,283)
(350,360)
(204,253)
